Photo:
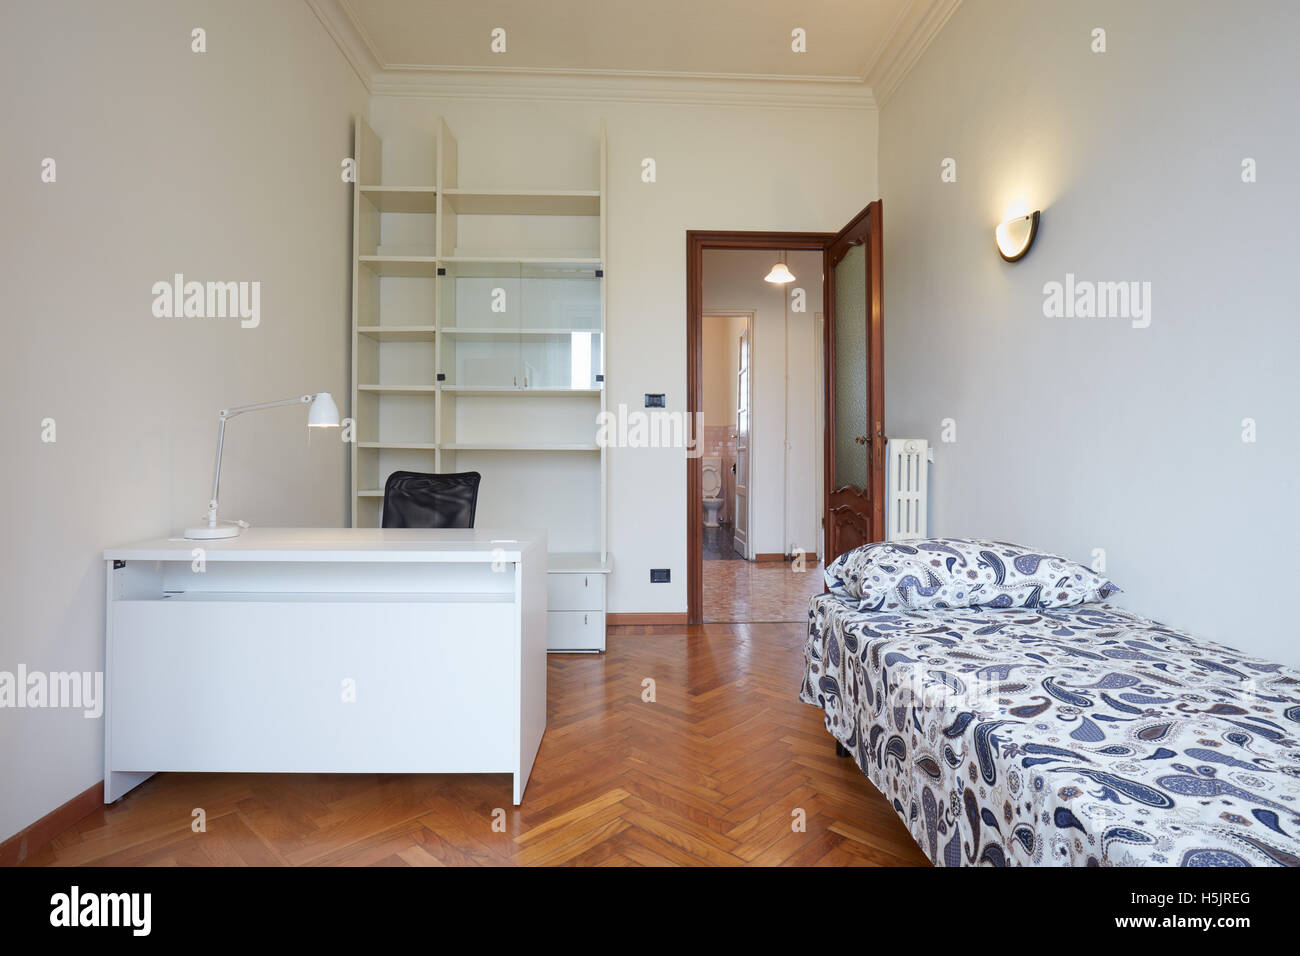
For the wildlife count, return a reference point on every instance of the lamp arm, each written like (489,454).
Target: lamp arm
(232,412)
(225,414)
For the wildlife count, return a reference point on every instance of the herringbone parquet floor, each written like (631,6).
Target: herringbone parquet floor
(720,768)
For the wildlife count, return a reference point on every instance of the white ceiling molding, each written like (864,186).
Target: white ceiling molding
(346,32)
(910,37)
(638,88)
(913,31)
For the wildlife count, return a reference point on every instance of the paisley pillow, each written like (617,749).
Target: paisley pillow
(960,572)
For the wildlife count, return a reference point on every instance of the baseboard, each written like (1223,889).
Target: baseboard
(30,839)
(643,620)
(765,557)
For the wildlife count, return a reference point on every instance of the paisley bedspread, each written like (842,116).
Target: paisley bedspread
(1077,736)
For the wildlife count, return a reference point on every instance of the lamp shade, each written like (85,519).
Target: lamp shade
(1015,236)
(323,412)
(779,274)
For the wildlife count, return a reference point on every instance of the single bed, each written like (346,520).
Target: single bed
(1080,735)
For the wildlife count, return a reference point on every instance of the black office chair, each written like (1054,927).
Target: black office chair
(413,499)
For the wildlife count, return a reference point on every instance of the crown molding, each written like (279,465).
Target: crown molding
(908,38)
(672,89)
(347,34)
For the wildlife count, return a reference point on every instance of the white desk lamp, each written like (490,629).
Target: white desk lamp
(322,414)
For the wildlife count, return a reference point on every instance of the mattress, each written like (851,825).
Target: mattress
(1081,736)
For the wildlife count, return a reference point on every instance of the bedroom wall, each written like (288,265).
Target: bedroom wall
(1075,434)
(221,165)
(718,167)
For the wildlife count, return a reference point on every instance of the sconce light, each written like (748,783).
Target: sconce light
(1015,236)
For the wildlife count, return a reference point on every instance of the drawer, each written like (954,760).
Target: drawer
(575,592)
(575,630)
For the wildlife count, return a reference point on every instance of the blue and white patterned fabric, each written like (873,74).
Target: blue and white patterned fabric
(1075,736)
(960,572)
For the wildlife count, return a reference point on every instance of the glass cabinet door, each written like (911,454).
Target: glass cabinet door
(480,307)
(560,333)
(512,326)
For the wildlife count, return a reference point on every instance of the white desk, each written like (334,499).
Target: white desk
(326,650)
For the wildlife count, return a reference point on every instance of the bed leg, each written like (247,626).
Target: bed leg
(840,751)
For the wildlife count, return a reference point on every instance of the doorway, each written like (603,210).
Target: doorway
(760,374)
(727,422)
(849,474)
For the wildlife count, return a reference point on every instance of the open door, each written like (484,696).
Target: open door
(741,539)
(854,386)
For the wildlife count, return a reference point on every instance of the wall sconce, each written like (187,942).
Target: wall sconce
(1015,236)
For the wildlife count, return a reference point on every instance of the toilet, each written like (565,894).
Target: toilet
(712,491)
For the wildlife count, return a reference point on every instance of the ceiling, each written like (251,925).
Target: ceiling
(856,42)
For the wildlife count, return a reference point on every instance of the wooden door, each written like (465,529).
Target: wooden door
(854,386)
(741,517)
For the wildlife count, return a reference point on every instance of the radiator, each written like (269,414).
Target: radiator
(906,471)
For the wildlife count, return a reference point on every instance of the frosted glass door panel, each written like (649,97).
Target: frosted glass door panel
(850,459)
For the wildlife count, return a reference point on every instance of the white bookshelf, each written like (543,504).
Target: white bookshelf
(479,345)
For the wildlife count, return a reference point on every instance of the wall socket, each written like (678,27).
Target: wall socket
(660,576)
(655,401)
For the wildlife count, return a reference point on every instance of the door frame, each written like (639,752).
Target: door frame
(870,221)
(697,241)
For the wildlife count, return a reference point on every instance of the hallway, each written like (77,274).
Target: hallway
(754,592)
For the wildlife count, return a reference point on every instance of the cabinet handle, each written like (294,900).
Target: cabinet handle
(585,582)
(516,381)
(584,620)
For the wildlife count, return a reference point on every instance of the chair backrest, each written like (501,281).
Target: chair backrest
(413,499)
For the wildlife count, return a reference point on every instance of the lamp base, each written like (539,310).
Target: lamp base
(223,530)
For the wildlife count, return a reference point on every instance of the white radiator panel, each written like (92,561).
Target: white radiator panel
(906,488)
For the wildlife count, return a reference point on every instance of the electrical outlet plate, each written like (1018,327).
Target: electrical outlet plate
(661,576)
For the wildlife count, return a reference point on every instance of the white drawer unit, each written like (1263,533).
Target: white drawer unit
(575,618)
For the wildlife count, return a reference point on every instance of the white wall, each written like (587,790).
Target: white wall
(1075,434)
(786,498)
(718,168)
(222,166)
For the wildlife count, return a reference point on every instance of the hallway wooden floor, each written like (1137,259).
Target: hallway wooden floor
(713,771)
(749,591)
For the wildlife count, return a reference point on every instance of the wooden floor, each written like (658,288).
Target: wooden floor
(749,591)
(714,771)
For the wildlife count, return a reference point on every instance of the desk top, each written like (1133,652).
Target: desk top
(414,545)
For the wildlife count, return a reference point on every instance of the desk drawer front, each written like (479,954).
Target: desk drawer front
(575,592)
(575,631)
(260,686)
